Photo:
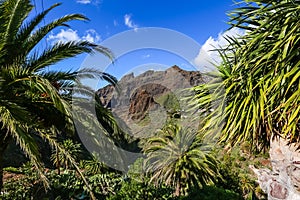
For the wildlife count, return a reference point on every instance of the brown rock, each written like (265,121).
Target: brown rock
(106,94)
(171,79)
(140,102)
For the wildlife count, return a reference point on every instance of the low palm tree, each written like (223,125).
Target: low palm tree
(35,103)
(178,157)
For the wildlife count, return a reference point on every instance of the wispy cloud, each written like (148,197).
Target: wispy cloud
(116,23)
(94,2)
(206,56)
(146,56)
(71,35)
(84,1)
(129,22)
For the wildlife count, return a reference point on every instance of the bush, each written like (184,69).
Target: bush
(212,193)
(23,186)
(27,185)
(134,190)
(105,185)
(65,186)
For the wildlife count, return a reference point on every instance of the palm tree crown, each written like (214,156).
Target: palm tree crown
(178,157)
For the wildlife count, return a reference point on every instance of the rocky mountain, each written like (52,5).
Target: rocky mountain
(148,98)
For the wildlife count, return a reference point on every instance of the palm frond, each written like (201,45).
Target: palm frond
(260,76)
(28,28)
(42,32)
(58,52)
(15,11)
(178,157)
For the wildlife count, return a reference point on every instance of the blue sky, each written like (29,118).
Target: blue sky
(203,21)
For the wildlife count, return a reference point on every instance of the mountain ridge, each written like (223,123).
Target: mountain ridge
(146,93)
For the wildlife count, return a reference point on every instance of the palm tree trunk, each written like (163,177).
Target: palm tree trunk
(58,162)
(4,141)
(1,171)
(177,189)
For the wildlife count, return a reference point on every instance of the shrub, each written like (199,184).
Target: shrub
(135,190)
(212,193)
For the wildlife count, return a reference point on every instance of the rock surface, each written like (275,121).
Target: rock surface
(137,95)
(283,181)
(142,100)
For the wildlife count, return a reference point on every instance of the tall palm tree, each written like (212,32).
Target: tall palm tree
(258,82)
(179,158)
(88,113)
(30,97)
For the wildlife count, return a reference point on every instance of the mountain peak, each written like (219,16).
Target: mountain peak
(175,67)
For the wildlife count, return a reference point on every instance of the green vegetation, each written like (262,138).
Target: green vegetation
(170,102)
(179,158)
(36,103)
(59,159)
(252,97)
(257,84)
(106,185)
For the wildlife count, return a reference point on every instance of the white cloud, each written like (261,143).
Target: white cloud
(206,56)
(71,35)
(64,36)
(129,22)
(92,36)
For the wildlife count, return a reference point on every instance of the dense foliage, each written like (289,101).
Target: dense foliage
(35,103)
(110,186)
(255,94)
(179,158)
(252,97)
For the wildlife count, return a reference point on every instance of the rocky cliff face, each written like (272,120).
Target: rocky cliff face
(283,181)
(106,95)
(142,100)
(139,95)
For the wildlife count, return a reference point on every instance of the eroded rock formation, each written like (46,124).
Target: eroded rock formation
(283,181)
(138,95)
(155,83)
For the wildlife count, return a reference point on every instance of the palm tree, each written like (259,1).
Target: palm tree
(257,85)
(30,97)
(68,84)
(178,157)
